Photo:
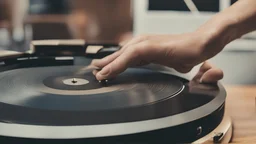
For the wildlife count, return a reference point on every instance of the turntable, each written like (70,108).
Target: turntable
(49,94)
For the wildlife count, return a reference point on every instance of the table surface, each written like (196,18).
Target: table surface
(241,106)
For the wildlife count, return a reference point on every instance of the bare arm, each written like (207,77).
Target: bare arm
(184,51)
(228,25)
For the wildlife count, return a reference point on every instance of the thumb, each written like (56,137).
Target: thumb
(212,76)
(208,74)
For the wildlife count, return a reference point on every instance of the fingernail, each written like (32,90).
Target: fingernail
(105,71)
(201,80)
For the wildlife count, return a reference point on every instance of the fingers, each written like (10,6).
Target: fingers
(209,74)
(128,58)
(119,65)
(106,60)
(94,72)
(116,64)
(205,67)
(212,76)
(103,62)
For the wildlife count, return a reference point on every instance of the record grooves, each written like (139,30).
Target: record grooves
(112,107)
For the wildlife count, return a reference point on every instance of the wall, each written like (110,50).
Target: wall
(105,20)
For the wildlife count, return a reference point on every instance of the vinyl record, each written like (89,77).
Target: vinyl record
(51,92)
(56,103)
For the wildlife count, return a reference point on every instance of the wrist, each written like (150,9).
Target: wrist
(216,34)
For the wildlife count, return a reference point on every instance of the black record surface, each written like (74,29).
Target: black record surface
(35,88)
(39,96)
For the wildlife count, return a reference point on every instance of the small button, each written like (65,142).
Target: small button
(199,130)
(217,137)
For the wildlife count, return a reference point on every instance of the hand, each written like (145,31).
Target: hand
(208,74)
(181,52)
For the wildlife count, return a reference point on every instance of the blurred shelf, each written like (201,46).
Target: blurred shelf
(46,19)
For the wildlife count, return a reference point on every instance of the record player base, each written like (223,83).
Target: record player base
(221,134)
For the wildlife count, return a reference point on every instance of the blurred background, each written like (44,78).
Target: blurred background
(116,20)
(94,20)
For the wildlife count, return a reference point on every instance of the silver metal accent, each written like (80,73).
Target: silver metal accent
(103,81)
(58,42)
(93,49)
(64,58)
(25,58)
(61,42)
(218,137)
(199,130)
(75,81)
(93,131)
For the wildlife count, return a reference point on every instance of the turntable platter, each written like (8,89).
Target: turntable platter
(54,102)
(46,96)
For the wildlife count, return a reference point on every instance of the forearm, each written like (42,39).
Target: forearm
(229,25)
(245,13)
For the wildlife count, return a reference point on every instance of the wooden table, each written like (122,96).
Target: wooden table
(241,106)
